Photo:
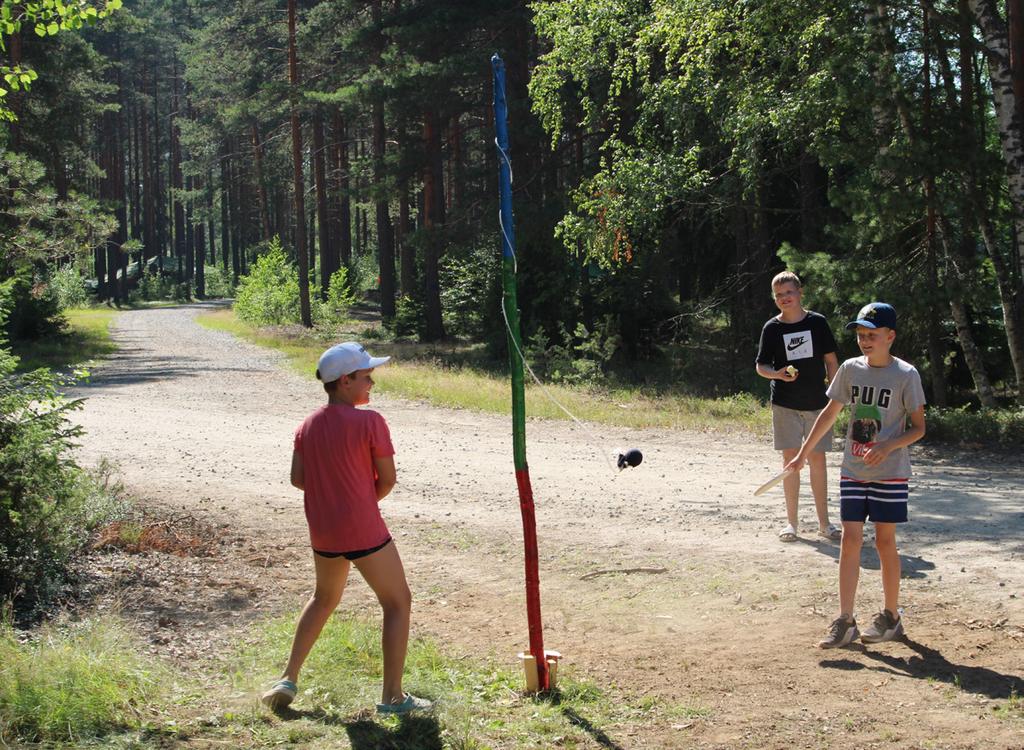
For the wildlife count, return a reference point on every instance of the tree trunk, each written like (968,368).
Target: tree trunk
(328,257)
(433,225)
(261,185)
(936,357)
(176,180)
(298,183)
(225,223)
(1011,140)
(149,247)
(343,233)
(407,251)
(385,245)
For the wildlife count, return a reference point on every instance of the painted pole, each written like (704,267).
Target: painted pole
(511,312)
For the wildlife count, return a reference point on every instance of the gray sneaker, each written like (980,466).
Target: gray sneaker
(842,632)
(885,627)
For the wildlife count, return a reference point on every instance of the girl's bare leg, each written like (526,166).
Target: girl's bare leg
(331,575)
(384,573)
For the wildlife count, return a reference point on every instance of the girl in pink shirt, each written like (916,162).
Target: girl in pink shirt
(344,462)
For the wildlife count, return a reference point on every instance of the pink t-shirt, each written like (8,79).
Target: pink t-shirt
(338,443)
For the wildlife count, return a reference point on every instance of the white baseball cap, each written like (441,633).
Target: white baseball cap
(345,359)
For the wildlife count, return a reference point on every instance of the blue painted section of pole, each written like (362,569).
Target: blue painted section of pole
(511,313)
(508,238)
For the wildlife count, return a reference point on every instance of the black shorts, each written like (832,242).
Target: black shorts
(353,555)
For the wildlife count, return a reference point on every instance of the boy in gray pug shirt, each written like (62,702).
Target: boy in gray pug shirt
(883,392)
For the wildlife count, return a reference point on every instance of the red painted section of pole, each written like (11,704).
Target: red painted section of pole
(532,575)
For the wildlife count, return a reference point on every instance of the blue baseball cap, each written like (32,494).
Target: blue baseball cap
(874,315)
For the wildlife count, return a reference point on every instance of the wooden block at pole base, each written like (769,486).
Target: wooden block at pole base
(530,668)
(552,674)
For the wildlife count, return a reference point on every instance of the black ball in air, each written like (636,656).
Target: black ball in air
(632,457)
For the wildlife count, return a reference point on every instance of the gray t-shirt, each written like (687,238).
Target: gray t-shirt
(881,399)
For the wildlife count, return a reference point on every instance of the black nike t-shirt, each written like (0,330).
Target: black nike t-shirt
(804,345)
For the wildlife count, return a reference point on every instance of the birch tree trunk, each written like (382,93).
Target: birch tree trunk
(1008,116)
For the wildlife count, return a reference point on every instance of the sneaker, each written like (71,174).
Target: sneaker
(410,703)
(842,632)
(885,627)
(281,693)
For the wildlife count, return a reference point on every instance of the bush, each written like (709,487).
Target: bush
(218,282)
(68,287)
(579,358)
(471,289)
(269,295)
(161,286)
(340,298)
(1002,428)
(31,309)
(48,506)
(410,318)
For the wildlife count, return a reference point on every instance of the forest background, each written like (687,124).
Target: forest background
(669,158)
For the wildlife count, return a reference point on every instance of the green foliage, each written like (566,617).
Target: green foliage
(995,428)
(68,288)
(32,310)
(67,686)
(45,18)
(340,297)
(153,287)
(363,272)
(48,506)
(38,226)
(409,318)
(581,357)
(471,288)
(219,284)
(269,295)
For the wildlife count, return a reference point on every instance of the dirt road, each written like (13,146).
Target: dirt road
(665,580)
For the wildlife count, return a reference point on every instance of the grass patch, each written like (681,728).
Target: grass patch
(427,374)
(1012,709)
(72,685)
(86,338)
(478,704)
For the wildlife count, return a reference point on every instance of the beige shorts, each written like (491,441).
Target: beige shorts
(791,426)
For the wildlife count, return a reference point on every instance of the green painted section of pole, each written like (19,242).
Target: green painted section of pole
(508,266)
(511,312)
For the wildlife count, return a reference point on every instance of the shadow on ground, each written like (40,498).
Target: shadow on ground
(414,732)
(911,566)
(929,664)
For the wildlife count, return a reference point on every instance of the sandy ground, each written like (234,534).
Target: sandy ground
(664,580)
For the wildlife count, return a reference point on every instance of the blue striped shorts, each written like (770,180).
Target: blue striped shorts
(883,501)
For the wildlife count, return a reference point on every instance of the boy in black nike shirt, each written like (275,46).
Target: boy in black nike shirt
(797,352)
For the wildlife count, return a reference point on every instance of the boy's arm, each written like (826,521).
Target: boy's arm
(384,468)
(298,471)
(831,366)
(767,371)
(826,418)
(880,451)
(764,369)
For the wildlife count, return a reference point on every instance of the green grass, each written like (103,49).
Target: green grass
(1012,709)
(87,338)
(74,684)
(91,684)
(419,373)
(478,704)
